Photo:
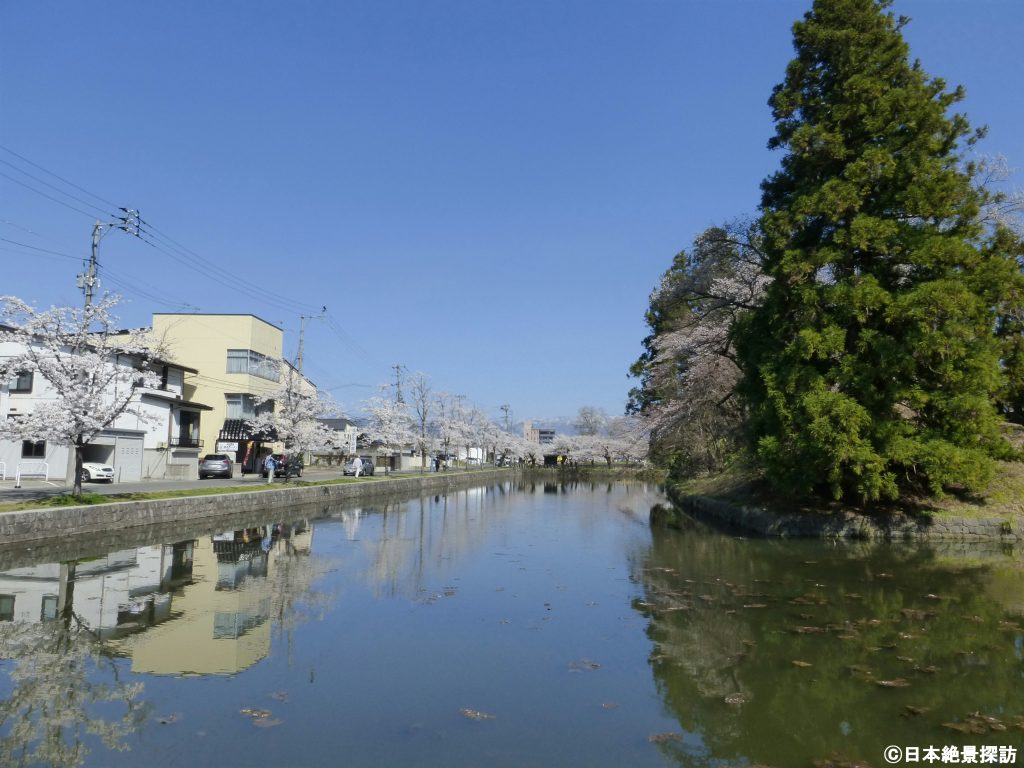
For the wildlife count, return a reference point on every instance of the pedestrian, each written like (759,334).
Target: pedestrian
(270,465)
(437,464)
(357,466)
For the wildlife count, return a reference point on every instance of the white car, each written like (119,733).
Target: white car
(99,472)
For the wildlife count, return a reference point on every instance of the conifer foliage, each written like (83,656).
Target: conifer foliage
(873,365)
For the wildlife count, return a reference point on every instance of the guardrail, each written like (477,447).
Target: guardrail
(30,469)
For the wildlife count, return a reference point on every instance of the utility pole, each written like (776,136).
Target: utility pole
(506,409)
(128,223)
(302,334)
(398,383)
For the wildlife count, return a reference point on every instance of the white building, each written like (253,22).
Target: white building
(160,440)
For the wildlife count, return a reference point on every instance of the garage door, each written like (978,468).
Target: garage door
(127,459)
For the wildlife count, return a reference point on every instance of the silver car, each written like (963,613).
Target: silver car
(365,471)
(216,465)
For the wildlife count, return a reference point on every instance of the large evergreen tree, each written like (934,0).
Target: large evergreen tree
(873,365)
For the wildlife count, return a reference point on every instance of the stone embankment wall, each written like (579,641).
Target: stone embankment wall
(762,521)
(47,525)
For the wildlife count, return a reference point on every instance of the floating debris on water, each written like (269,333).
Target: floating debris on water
(581,665)
(261,717)
(257,713)
(476,714)
(665,738)
(977,723)
(897,682)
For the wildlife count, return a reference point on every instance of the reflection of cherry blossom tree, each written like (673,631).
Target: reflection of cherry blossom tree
(56,670)
(92,372)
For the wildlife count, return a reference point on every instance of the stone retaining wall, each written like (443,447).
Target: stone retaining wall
(39,526)
(765,522)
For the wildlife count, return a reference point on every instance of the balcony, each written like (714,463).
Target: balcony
(186,442)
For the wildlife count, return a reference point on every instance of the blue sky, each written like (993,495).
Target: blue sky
(483,191)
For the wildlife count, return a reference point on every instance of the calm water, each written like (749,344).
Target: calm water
(540,625)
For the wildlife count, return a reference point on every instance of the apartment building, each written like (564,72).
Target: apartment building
(238,360)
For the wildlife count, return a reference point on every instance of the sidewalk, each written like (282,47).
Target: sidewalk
(32,489)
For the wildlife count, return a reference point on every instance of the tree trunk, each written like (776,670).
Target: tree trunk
(76,489)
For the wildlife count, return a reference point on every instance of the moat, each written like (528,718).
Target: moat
(517,624)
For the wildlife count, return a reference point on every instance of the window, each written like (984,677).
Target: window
(6,607)
(240,406)
(253,363)
(33,449)
(238,361)
(22,382)
(49,611)
(188,428)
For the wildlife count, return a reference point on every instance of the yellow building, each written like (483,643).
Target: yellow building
(238,359)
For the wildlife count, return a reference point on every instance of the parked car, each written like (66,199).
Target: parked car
(216,465)
(366,471)
(92,470)
(282,468)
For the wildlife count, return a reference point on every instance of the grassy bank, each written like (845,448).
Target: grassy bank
(88,499)
(740,483)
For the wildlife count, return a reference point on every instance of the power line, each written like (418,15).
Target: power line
(61,178)
(352,343)
(225,279)
(48,197)
(42,250)
(173,244)
(103,211)
(134,289)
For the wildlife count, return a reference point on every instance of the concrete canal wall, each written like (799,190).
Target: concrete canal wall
(47,526)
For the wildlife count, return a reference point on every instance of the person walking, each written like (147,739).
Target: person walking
(357,466)
(270,465)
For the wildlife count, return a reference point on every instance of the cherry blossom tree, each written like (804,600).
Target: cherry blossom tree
(389,423)
(590,420)
(689,372)
(294,419)
(421,404)
(93,373)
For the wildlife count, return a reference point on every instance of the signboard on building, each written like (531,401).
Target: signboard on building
(224,447)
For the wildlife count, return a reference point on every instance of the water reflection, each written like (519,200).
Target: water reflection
(579,635)
(219,620)
(200,606)
(58,677)
(781,653)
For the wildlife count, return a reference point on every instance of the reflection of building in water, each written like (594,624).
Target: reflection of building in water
(223,616)
(111,595)
(200,607)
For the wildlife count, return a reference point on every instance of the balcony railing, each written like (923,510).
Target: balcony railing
(186,442)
